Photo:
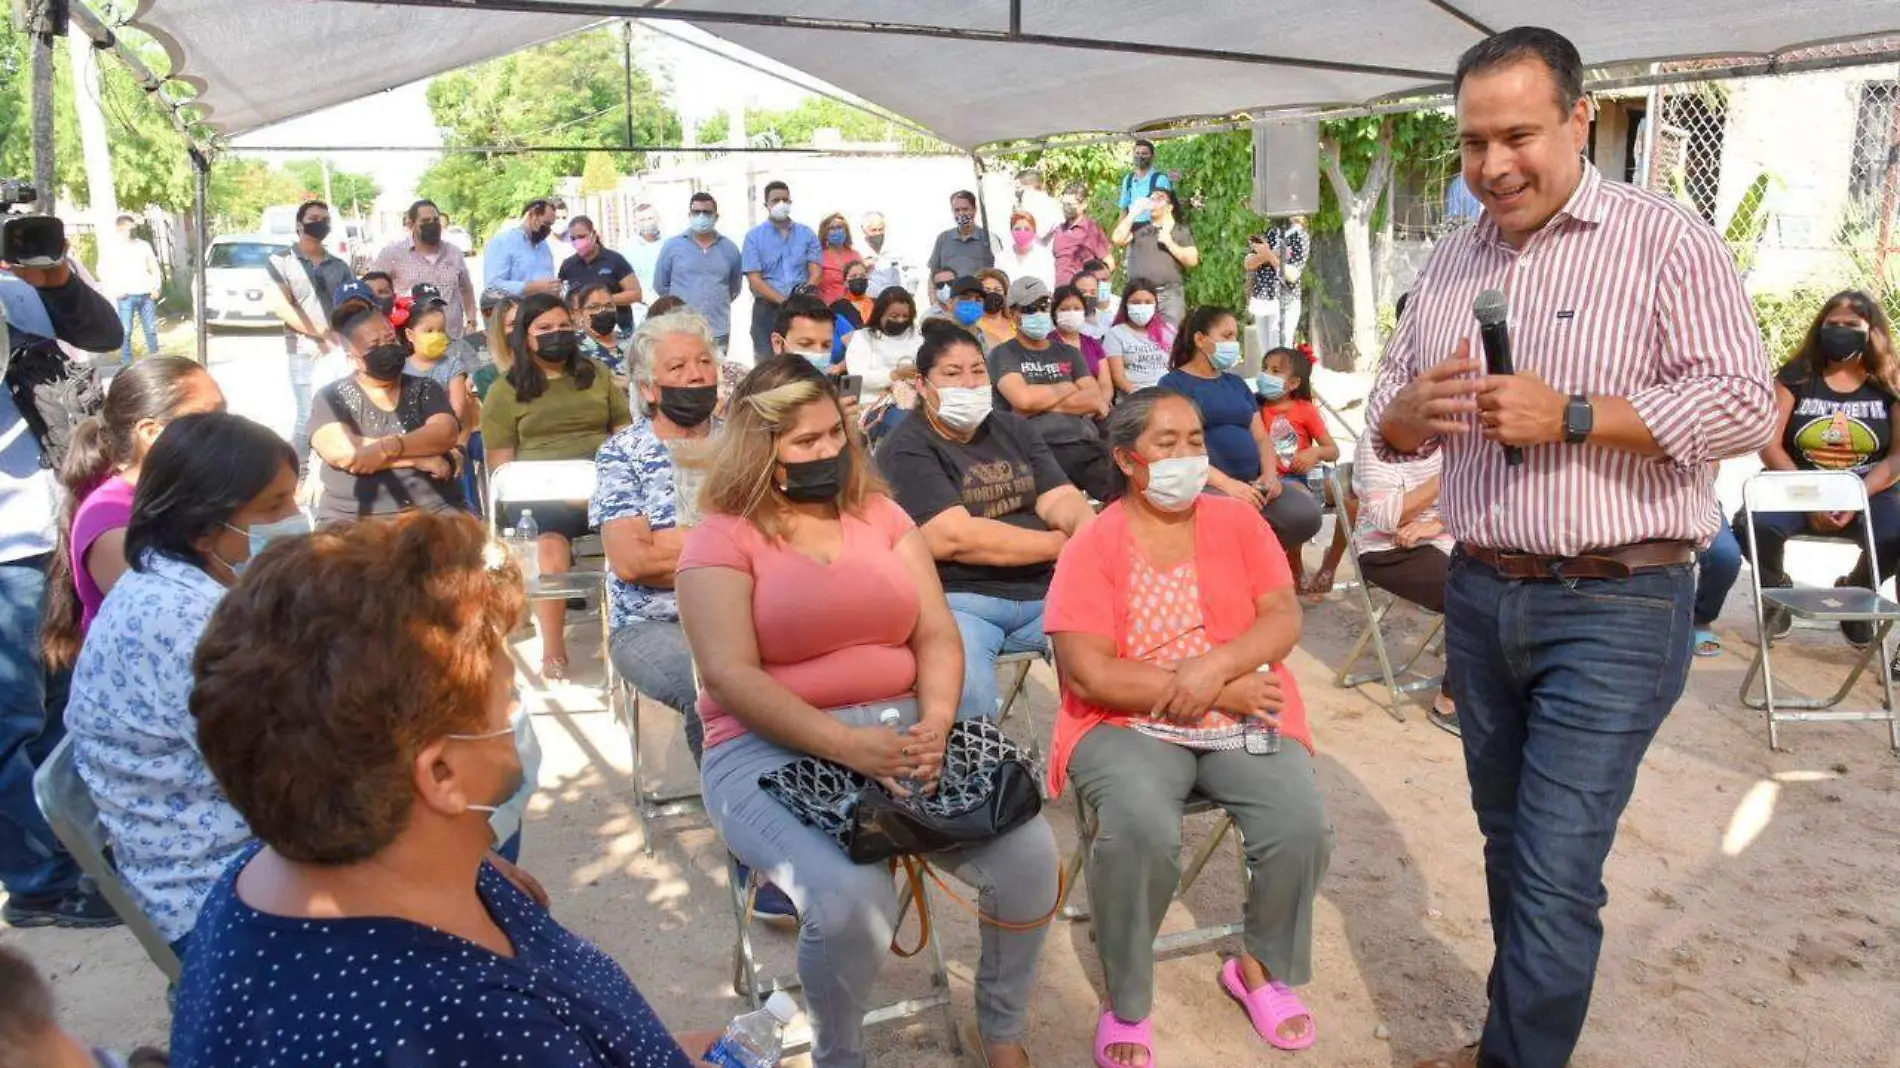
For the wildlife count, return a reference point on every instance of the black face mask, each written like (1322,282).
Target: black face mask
(992,303)
(688,406)
(540,233)
(384,363)
(1142,162)
(387,304)
(317,231)
(557,346)
(603,322)
(895,327)
(430,232)
(1838,342)
(857,286)
(816,481)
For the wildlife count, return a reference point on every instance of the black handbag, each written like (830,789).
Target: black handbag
(988,788)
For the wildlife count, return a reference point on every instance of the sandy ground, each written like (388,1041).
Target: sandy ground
(1753,918)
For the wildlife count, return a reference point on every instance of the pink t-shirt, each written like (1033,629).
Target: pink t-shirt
(107,508)
(835,634)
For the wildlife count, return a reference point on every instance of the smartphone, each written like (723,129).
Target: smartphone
(851,386)
(32,240)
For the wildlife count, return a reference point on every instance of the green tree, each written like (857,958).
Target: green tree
(350,193)
(798,126)
(568,92)
(242,188)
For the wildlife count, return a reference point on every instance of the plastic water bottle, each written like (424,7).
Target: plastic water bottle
(1258,738)
(526,542)
(894,719)
(755,1039)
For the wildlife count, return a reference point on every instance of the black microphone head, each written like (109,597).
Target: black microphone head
(1492,307)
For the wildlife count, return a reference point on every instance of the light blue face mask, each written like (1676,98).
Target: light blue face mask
(1038,325)
(701,222)
(1226,355)
(820,360)
(504,819)
(1271,387)
(943,293)
(969,311)
(261,535)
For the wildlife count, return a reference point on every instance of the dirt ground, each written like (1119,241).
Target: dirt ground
(1754,913)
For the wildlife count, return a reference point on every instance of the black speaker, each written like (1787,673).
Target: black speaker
(1286,168)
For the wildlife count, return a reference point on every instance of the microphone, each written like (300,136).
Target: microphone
(1492,309)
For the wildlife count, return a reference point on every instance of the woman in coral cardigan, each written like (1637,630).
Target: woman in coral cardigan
(1171,614)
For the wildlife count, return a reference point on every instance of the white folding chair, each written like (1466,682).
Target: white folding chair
(1817,491)
(1088,825)
(626,703)
(69,810)
(530,482)
(1398,681)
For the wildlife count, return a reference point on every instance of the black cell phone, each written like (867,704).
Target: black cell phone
(851,386)
(32,240)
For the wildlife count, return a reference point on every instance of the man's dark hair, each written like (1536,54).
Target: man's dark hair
(1093,266)
(940,336)
(201,471)
(304,209)
(963,194)
(26,1013)
(1142,142)
(415,209)
(124,218)
(702,198)
(1521,43)
(384,275)
(538,204)
(1076,189)
(801,306)
(776,184)
(1081,274)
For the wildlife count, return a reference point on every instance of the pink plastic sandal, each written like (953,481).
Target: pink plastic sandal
(1110,1031)
(1269,1007)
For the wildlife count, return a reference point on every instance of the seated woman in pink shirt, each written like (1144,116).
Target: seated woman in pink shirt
(1171,614)
(811,603)
(100,473)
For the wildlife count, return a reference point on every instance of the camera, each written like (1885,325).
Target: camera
(28,240)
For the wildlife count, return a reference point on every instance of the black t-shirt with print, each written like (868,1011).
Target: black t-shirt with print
(1833,431)
(1060,362)
(348,497)
(997,475)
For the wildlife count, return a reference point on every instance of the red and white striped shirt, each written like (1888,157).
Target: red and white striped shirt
(1623,294)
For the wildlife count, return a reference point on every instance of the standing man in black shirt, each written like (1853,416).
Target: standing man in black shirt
(1047,381)
(991,502)
(595,262)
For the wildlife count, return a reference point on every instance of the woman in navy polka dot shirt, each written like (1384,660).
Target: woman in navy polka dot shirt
(354,699)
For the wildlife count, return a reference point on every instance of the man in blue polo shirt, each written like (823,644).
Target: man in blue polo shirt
(779,256)
(517,260)
(702,267)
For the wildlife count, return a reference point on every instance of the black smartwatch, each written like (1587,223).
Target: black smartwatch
(1579,419)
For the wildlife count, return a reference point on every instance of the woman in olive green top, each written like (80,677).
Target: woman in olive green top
(555,404)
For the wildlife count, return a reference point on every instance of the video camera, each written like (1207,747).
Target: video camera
(28,240)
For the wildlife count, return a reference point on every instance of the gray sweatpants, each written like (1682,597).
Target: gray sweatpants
(848,911)
(1138,786)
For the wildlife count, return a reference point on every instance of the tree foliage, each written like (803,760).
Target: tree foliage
(800,124)
(350,193)
(568,92)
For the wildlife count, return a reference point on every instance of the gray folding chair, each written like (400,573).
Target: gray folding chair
(1017,665)
(69,810)
(1088,825)
(1817,491)
(649,803)
(1398,681)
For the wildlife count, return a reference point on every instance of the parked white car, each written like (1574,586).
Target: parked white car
(236,281)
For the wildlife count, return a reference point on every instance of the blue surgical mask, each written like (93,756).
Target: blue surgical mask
(1038,325)
(835,239)
(820,360)
(701,222)
(969,311)
(504,818)
(262,534)
(1271,387)
(1226,355)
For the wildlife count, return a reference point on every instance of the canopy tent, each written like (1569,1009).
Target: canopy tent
(979,72)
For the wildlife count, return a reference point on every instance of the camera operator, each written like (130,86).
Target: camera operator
(40,305)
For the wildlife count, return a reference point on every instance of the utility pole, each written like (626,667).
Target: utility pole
(88,103)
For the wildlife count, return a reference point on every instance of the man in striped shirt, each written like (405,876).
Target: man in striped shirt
(1568,600)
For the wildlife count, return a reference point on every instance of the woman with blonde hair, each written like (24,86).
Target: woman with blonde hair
(792,507)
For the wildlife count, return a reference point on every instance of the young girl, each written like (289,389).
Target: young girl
(1300,439)
(425,334)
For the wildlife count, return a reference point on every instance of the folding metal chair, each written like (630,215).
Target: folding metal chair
(626,704)
(1018,665)
(530,482)
(69,810)
(1374,633)
(749,984)
(1088,825)
(1817,491)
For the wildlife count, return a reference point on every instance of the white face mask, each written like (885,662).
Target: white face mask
(780,211)
(1175,482)
(963,409)
(1071,321)
(820,360)
(1139,314)
(504,819)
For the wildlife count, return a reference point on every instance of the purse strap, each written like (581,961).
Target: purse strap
(916,868)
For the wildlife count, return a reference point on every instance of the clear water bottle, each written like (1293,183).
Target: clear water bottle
(894,720)
(525,540)
(755,1039)
(1259,738)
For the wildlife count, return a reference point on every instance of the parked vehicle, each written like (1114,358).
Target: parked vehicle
(236,281)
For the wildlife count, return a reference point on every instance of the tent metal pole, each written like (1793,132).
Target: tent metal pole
(523,150)
(606,9)
(626,30)
(201,240)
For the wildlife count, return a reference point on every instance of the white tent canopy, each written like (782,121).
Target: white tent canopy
(977,72)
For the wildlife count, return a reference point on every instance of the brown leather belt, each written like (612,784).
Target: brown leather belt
(1620,562)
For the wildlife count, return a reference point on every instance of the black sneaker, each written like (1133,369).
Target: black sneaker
(1858,632)
(83,906)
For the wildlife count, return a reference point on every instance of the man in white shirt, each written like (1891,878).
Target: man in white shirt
(888,267)
(1045,209)
(129,273)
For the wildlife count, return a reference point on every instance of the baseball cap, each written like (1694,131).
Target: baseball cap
(424,295)
(969,283)
(1027,290)
(354,289)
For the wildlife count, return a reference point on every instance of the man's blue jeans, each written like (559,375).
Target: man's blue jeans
(990,627)
(142,307)
(32,862)
(1560,685)
(1719,564)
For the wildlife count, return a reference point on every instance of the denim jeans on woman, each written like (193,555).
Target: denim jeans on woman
(32,862)
(992,626)
(1717,568)
(848,911)
(1773,529)
(1560,685)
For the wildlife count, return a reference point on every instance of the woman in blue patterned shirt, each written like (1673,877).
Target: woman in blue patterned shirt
(368,930)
